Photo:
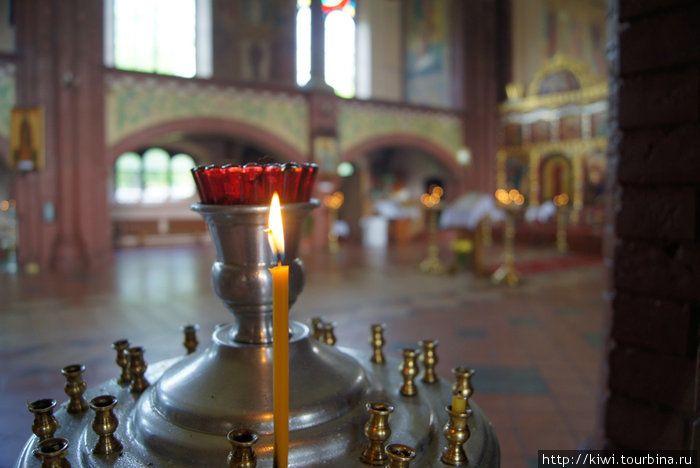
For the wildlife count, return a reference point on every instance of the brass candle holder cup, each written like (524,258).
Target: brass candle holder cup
(409,370)
(429,359)
(122,360)
(137,369)
(105,425)
(377,431)
(377,341)
(463,381)
(242,454)
(400,455)
(191,341)
(75,387)
(328,335)
(45,424)
(53,453)
(457,433)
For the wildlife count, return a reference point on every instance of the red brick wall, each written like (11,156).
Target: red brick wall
(653,240)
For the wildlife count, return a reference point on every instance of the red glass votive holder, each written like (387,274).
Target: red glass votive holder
(272,181)
(234,192)
(253,192)
(306,184)
(197,175)
(292,177)
(213,187)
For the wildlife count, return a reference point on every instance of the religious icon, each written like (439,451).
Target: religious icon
(27,139)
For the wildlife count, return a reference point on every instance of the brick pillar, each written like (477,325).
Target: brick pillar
(62,209)
(482,41)
(653,239)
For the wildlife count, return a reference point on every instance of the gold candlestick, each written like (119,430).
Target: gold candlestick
(242,454)
(409,370)
(45,424)
(506,274)
(333,202)
(377,342)
(75,387)
(562,243)
(191,341)
(377,431)
(53,453)
(400,455)
(121,347)
(429,359)
(457,433)
(432,262)
(137,369)
(105,424)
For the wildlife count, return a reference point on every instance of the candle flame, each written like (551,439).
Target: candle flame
(275,233)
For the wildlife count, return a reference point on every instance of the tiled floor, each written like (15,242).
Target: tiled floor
(536,347)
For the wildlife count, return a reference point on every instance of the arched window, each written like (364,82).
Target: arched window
(154,177)
(339,44)
(156,183)
(171,37)
(181,181)
(128,185)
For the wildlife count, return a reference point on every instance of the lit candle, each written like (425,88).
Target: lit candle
(459,403)
(280,336)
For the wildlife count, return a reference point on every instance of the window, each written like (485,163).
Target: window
(154,177)
(159,36)
(128,178)
(339,44)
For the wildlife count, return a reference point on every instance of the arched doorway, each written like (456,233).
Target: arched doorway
(387,182)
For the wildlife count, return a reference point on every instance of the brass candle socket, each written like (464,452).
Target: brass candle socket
(105,425)
(377,341)
(137,369)
(191,341)
(409,370)
(328,336)
(317,327)
(122,360)
(75,387)
(463,382)
(400,455)
(429,359)
(242,454)
(45,424)
(377,430)
(53,453)
(457,433)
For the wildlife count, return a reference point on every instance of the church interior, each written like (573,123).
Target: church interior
(516,179)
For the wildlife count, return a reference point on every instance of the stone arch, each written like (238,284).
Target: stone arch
(234,128)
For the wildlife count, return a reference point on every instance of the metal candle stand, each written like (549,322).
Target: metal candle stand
(210,406)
